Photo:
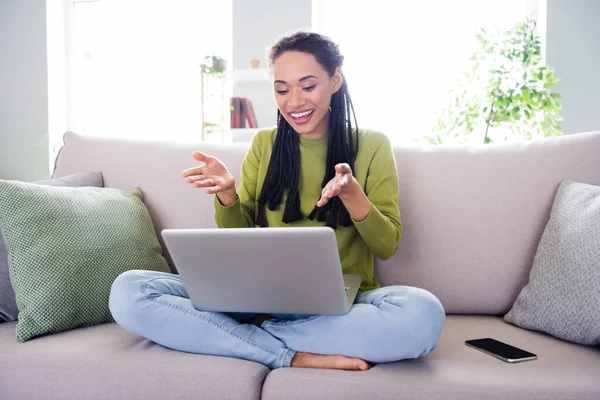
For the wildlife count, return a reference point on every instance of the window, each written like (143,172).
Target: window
(402,57)
(135,65)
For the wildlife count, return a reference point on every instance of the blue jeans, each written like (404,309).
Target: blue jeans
(387,324)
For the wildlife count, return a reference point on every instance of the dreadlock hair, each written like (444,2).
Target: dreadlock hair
(283,173)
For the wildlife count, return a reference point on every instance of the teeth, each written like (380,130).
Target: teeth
(302,114)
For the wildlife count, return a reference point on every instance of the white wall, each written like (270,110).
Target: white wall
(256,25)
(24,152)
(573,49)
(56,40)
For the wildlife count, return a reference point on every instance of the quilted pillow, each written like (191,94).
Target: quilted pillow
(66,246)
(562,297)
(8,305)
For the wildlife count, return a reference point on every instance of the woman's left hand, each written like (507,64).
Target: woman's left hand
(342,183)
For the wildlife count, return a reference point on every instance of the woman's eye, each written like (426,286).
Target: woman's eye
(309,88)
(282,91)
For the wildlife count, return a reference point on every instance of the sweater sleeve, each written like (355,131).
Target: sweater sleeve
(382,229)
(240,214)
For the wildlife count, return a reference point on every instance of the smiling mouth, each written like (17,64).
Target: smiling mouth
(302,114)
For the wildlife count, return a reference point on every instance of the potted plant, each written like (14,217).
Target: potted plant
(214,65)
(505,94)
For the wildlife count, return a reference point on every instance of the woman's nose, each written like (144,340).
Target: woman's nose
(296,99)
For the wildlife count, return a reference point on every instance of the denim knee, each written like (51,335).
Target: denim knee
(419,324)
(427,319)
(123,293)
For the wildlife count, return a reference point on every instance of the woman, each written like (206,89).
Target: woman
(315,169)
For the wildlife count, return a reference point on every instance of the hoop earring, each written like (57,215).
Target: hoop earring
(329,108)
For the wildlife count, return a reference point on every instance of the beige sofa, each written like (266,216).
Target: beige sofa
(472,220)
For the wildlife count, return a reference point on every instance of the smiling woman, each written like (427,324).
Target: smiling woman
(313,99)
(309,171)
(301,96)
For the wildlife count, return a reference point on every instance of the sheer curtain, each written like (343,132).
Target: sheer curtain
(402,57)
(135,65)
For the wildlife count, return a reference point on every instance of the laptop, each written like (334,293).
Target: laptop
(262,270)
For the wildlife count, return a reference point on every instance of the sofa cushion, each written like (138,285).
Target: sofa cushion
(562,297)
(67,245)
(106,362)
(454,371)
(8,304)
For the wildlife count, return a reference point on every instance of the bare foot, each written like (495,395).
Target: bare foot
(310,360)
(259,319)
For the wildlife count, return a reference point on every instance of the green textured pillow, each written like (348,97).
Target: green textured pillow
(66,246)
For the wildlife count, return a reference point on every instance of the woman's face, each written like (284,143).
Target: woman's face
(303,92)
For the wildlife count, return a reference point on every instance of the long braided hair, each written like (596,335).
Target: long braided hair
(283,173)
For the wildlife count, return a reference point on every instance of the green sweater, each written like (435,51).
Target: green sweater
(375,170)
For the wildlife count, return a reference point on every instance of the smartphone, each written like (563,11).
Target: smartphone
(503,351)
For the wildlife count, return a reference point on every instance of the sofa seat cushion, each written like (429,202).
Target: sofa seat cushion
(454,371)
(106,362)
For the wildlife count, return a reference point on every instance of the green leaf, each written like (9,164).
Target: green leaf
(516,113)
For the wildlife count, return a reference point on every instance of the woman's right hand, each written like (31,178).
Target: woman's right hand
(213,176)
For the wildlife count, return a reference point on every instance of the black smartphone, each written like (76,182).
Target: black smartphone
(503,351)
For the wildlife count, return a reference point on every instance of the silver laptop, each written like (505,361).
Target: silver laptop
(262,270)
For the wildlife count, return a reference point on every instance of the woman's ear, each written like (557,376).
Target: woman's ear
(338,79)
